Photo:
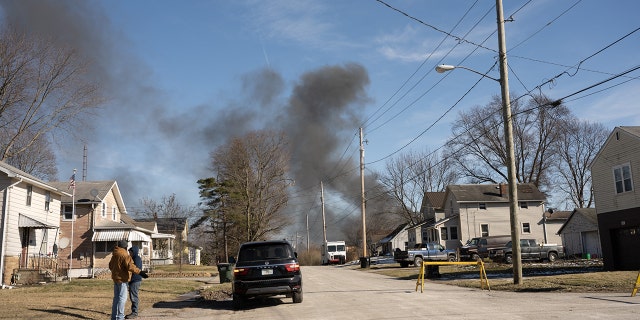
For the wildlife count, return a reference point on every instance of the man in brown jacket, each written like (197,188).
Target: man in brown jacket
(121,266)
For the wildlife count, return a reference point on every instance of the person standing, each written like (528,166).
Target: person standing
(134,284)
(121,266)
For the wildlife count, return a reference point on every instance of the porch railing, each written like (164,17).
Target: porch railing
(45,264)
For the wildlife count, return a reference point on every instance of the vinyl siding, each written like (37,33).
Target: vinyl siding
(615,153)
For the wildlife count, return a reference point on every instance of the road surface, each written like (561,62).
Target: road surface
(338,292)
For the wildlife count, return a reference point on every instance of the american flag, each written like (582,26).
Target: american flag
(72,181)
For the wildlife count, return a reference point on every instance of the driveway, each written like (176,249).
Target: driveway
(335,292)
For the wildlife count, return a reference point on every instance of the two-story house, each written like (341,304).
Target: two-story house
(480,210)
(29,221)
(93,219)
(615,174)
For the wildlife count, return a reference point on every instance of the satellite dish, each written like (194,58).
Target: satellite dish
(94,192)
(64,242)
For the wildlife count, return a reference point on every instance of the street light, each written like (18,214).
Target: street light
(508,134)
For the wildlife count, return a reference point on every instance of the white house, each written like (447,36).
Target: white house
(29,222)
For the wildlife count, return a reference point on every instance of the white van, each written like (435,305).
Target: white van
(334,252)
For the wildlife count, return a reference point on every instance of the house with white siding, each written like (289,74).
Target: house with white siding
(615,174)
(480,210)
(29,222)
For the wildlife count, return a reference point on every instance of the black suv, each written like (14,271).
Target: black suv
(266,268)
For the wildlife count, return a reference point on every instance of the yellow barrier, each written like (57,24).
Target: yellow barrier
(635,288)
(483,273)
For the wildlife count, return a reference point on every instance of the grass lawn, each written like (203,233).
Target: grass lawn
(537,277)
(91,298)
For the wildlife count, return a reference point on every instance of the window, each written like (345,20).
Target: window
(454,233)
(114,210)
(105,246)
(443,233)
(482,206)
(484,229)
(524,205)
(67,212)
(104,210)
(526,227)
(47,200)
(622,177)
(29,195)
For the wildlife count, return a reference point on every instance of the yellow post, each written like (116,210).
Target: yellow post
(420,281)
(635,288)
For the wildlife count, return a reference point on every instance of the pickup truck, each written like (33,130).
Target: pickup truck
(423,252)
(529,250)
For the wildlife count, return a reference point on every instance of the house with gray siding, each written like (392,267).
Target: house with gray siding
(615,173)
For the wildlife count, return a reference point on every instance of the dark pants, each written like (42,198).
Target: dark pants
(133,294)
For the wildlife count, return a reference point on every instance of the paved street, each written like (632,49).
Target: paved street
(344,293)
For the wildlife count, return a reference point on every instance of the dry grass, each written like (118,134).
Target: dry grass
(557,277)
(91,298)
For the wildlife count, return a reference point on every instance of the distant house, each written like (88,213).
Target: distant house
(87,238)
(580,234)
(396,239)
(170,240)
(615,173)
(552,221)
(477,210)
(432,211)
(29,222)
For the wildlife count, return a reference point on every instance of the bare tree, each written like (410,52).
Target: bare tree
(166,207)
(37,159)
(412,174)
(44,90)
(577,148)
(479,147)
(255,167)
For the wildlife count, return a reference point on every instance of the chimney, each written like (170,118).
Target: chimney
(503,189)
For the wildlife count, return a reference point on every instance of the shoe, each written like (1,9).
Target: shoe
(131,316)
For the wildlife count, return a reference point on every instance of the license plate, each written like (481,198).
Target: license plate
(267,272)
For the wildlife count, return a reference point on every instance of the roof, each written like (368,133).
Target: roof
(494,192)
(393,233)
(15,173)
(557,215)
(83,191)
(167,225)
(588,213)
(436,199)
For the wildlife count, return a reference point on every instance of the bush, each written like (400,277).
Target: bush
(312,257)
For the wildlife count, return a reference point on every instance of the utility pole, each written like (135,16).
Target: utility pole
(364,224)
(307,232)
(324,222)
(508,135)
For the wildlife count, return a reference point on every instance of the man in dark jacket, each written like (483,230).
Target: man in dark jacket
(134,284)
(121,266)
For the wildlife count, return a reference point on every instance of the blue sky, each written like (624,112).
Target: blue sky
(185,75)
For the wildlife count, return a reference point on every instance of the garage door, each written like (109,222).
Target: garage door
(626,242)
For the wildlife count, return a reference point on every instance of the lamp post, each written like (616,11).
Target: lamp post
(508,135)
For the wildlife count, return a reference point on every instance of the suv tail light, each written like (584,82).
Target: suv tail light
(240,271)
(292,267)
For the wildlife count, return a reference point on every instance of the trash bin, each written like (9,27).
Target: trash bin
(364,262)
(225,272)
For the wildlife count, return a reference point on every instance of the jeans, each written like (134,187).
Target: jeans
(133,294)
(119,300)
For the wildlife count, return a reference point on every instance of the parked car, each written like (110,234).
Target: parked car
(424,252)
(266,268)
(529,250)
(478,248)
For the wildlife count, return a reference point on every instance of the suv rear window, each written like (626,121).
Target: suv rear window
(260,251)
